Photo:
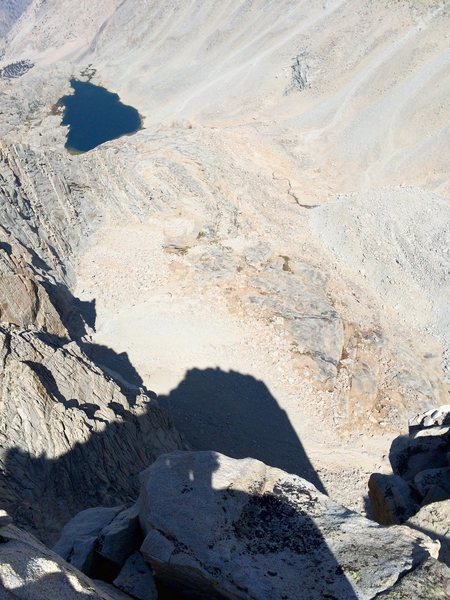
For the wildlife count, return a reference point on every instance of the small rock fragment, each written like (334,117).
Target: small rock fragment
(136,578)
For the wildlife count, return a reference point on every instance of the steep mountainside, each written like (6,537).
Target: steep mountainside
(270,250)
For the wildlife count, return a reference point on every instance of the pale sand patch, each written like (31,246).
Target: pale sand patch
(227,379)
(167,336)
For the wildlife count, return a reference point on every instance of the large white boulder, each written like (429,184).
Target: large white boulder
(220,527)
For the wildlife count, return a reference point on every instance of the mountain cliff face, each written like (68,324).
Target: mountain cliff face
(263,265)
(77,424)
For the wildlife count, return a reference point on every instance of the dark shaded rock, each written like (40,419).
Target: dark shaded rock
(430,478)
(120,538)
(78,540)
(435,494)
(392,499)
(408,456)
(111,590)
(136,578)
(5,519)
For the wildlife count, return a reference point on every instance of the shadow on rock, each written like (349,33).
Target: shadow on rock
(117,366)
(236,414)
(246,530)
(79,317)
(42,493)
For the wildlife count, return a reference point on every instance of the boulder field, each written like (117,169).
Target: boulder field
(417,493)
(209,526)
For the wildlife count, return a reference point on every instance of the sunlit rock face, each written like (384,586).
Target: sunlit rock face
(75,415)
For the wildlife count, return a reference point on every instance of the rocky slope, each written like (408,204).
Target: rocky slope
(418,491)
(184,228)
(263,534)
(10,11)
(71,435)
(76,423)
(28,569)
(269,253)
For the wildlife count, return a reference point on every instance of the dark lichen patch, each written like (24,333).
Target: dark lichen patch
(302,500)
(16,69)
(270,525)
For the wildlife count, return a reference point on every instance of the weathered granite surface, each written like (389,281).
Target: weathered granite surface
(239,529)
(29,570)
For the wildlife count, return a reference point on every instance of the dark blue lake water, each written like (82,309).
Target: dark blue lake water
(95,116)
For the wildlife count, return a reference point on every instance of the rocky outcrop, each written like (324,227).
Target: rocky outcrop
(393,500)
(434,520)
(136,578)
(100,539)
(435,421)
(431,579)
(78,541)
(418,493)
(25,301)
(76,427)
(39,207)
(419,460)
(104,544)
(411,455)
(76,423)
(72,433)
(29,570)
(71,436)
(121,537)
(251,531)
(297,296)
(217,527)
